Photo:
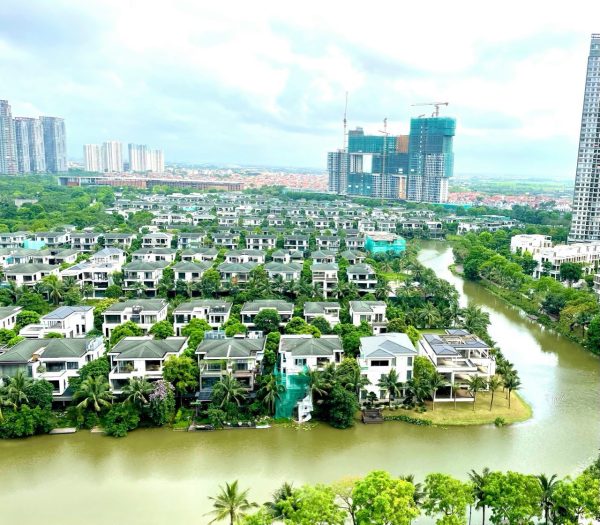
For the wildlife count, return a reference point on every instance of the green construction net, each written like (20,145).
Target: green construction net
(295,390)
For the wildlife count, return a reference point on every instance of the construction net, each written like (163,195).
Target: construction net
(295,390)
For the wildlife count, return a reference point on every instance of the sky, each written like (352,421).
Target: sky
(264,83)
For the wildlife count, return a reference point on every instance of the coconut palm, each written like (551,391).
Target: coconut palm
(53,287)
(478,481)
(94,392)
(355,381)
(455,388)
(229,390)
(428,316)
(87,290)
(476,384)
(230,503)
(283,493)
(383,289)
(16,389)
(494,383)
(139,288)
(474,319)
(317,384)
(389,382)
(416,391)
(419,493)
(547,484)
(14,291)
(434,382)
(511,382)
(271,392)
(137,391)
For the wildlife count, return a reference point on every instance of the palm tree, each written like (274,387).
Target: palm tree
(475,319)
(434,382)
(87,290)
(494,383)
(455,388)
(14,291)
(53,287)
(283,493)
(271,392)
(547,484)
(355,381)
(416,391)
(317,384)
(138,287)
(479,481)
(511,382)
(16,389)
(137,391)
(476,384)
(229,390)
(94,392)
(230,503)
(383,289)
(419,493)
(428,316)
(389,382)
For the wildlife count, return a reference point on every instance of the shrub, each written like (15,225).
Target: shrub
(120,419)
(408,419)
(499,422)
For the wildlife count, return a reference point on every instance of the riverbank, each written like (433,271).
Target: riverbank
(445,414)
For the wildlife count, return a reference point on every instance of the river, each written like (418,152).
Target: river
(160,476)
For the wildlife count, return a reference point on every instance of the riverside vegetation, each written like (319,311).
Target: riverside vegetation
(572,312)
(503,498)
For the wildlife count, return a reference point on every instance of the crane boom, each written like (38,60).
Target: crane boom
(437,105)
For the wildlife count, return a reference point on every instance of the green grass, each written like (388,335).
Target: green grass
(446,415)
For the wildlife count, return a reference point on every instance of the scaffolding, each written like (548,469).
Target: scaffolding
(296,389)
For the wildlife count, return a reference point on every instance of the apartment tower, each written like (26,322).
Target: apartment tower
(585,224)
(92,158)
(55,144)
(8,149)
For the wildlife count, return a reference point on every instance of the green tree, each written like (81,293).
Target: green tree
(195,330)
(230,504)
(313,505)
(127,329)
(39,394)
(270,392)
(475,384)
(210,283)
(182,372)
(547,486)
(479,482)
(414,335)
(494,383)
(52,285)
(228,390)
(267,320)
(512,498)
(390,383)
(137,392)
(397,325)
(475,320)
(448,497)
(16,390)
(321,324)
(120,419)
(94,392)
(570,272)
(6,335)
(383,500)
(162,330)
(593,335)
(26,317)
(435,381)
(341,407)
(236,328)
(511,382)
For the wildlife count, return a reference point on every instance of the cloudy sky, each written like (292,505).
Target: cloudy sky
(264,82)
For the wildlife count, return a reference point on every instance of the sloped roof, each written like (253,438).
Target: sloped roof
(147,305)
(202,303)
(317,307)
(62,312)
(230,347)
(365,306)
(23,351)
(65,348)
(260,304)
(145,348)
(311,346)
(388,345)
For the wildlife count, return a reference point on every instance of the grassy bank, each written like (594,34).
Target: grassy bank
(446,415)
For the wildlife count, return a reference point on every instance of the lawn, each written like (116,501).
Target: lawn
(393,276)
(445,414)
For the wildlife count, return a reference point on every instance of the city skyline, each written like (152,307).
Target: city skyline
(233,86)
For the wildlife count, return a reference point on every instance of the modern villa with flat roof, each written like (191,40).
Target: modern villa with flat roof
(384,242)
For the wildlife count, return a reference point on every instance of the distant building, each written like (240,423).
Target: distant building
(29,134)
(92,158)
(431,158)
(112,156)
(585,225)
(383,242)
(156,162)
(529,243)
(55,144)
(138,157)
(8,150)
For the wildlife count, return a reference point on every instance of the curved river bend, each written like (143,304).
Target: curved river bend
(160,476)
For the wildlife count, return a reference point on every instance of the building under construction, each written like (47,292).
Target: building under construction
(415,167)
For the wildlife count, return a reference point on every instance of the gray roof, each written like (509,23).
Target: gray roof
(104,252)
(283,267)
(360,268)
(318,307)
(160,251)
(275,304)
(65,348)
(311,346)
(187,266)
(22,351)
(145,266)
(365,306)
(230,348)
(29,268)
(62,312)
(147,305)
(144,348)
(7,311)
(202,303)
(324,267)
(237,267)
(322,253)
(386,345)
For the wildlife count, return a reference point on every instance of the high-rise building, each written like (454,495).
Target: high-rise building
(55,144)
(156,162)
(8,150)
(585,224)
(37,150)
(138,157)
(337,167)
(22,145)
(112,156)
(92,158)
(430,158)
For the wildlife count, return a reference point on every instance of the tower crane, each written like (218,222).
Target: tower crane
(437,105)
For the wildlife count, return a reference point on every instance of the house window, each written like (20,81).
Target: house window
(408,375)
(409,361)
(72,365)
(380,362)
(300,362)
